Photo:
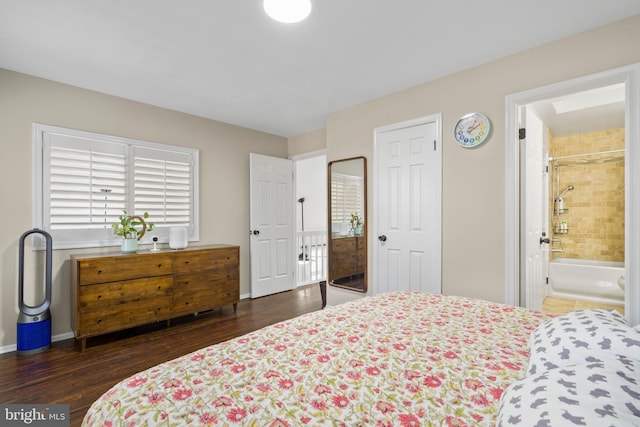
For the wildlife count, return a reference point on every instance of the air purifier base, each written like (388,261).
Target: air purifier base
(34,333)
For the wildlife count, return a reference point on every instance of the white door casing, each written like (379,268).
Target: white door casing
(408,205)
(272,225)
(533,210)
(630,76)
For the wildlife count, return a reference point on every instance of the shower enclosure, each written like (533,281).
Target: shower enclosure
(587,222)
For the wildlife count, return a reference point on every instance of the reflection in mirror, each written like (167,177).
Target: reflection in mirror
(348,223)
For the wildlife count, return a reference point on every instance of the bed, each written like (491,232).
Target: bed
(394,359)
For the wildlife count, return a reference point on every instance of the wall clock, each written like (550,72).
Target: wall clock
(472,130)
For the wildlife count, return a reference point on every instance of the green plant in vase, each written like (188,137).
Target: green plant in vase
(131,228)
(355,223)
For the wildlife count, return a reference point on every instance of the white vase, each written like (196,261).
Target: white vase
(129,246)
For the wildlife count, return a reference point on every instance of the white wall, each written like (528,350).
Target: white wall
(311,183)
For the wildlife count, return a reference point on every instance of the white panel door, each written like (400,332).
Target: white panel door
(409,200)
(272,225)
(534,209)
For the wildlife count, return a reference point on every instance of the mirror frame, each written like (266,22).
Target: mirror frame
(360,241)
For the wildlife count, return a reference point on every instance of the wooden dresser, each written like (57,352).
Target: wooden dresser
(111,292)
(347,257)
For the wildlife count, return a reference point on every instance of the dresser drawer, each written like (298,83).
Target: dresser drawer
(347,244)
(196,260)
(110,307)
(113,269)
(205,290)
(344,244)
(202,280)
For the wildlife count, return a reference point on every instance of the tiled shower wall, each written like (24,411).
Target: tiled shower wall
(594,210)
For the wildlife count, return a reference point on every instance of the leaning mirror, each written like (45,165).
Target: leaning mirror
(348,223)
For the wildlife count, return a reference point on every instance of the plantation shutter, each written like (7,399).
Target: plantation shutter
(346,197)
(84,182)
(163,186)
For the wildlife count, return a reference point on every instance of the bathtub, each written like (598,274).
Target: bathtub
(588,280)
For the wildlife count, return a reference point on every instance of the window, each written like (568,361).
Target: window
(84,181)
(346,197)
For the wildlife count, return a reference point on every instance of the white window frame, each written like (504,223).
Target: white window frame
(69,238)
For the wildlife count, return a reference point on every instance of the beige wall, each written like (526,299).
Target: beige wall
(224,173)
(474,180)
(308,142)
(594,209)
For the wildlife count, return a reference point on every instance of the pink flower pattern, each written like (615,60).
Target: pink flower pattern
(395,359)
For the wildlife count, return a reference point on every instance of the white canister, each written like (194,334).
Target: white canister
(178,237)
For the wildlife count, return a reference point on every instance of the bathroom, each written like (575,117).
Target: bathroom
(586,191)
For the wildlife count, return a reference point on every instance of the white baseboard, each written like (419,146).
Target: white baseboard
(13,347)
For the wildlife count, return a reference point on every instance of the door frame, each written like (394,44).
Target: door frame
(437,120)
(630,76)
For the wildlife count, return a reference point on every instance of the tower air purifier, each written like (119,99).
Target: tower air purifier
(34,322)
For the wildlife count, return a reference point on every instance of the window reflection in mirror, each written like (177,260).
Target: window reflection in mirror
(348,223)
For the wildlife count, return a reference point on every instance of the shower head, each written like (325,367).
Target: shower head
(569,188)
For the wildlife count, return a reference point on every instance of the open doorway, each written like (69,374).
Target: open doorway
(311,217)
(582,160)
(554,235)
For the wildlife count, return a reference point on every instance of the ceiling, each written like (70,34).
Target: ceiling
(596,117)
(226,60)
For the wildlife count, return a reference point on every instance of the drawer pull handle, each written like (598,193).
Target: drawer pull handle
(99,271)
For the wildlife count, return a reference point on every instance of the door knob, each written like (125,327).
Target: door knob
(544,239)
(256,232)
(382,238)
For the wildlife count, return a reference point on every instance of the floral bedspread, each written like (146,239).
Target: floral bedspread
(396,359)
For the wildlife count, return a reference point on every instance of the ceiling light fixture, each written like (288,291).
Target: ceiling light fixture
(287,11)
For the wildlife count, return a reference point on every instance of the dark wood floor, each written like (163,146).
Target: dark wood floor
(65,375)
